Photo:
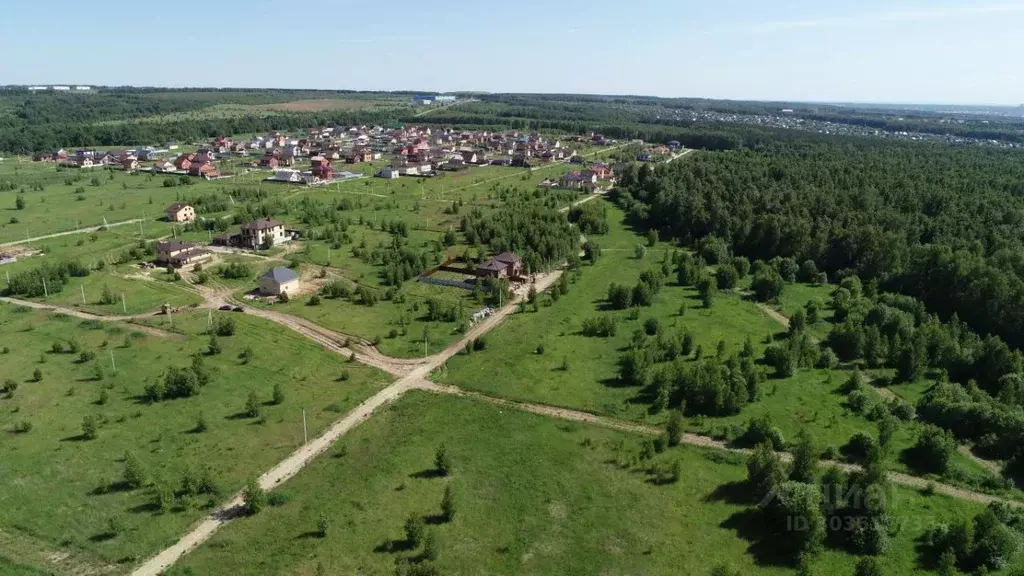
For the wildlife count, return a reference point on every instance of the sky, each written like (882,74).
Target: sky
(890,51)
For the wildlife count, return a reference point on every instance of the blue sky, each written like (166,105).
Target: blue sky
(929,51)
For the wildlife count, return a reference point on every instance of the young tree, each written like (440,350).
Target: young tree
(764,470)
(254,497)
(134,473)
(805,459)
(252,405)
(19,202)
(214,347)
(448,504)
(674,428)
(89,427)
(443,461)
(639,251)
(37,375)
(727,277)
(706,287)
(414,529)
(323,525)
(278,394)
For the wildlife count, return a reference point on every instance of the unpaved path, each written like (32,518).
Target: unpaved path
(989,465)
(678,156)
(90,316)
(414,379)
(705,442)
(71,232)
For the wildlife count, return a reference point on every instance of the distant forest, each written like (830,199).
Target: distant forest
(38,122)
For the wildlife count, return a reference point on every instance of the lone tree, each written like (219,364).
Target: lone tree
(805,461)
(414,529)
(19,202)
(252,405)
(134,474)
(37,375)
(278,394)
(254,497)
(89,427)
(448,504)
(674,428)
(443,461)
(323,525)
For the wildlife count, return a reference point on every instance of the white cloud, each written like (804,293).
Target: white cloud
(895,16)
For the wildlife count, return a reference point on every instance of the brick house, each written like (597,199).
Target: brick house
(180,212)
(256,234)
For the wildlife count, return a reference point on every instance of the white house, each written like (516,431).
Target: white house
(279,281)
(389,173)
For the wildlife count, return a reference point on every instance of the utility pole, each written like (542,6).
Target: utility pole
(424,346)
(305,436)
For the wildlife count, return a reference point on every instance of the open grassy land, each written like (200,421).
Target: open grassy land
(534,495)
(65,491)
(810,399)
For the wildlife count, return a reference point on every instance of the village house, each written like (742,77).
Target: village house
(504,265)
(322,168)
(145,153)
(184,162)
(180,212)
(577,180)
(204,169)
(279,280)
(263,233)
(389,173)
(603,172)
(163,167)
(179,254)
(130,164)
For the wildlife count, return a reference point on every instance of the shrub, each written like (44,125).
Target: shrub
(932,451)
(37,375)
(246,356)
(759,430)
(323,525)
(10,385)
(224,326)
(252,405)
(314,300)
(448,504)
(727,277)
(652,326)
(599,326)
(284,298)
(278,394)
(443,461)
(414,528)
(89,427)
(22,427)
(860,445)
(134,474)
(214,347)
(254,497)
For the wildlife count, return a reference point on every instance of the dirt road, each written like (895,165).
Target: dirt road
(71,232)
(90,316)
(678,156)
(413,379)
(705,442)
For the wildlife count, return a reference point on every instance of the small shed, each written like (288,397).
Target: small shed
(279,280)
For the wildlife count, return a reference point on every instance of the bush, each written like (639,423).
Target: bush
(651,326)
(278,394)
(599,326)
(37,375)
(314,300)
(89,427)
(10,385)
(224,326)
(932,451)
(767,284)
(414,529)
(214,347)
(252,405)
(134,474)
(727,277)
(323,525)
(759,430)
(254,497)
(22,427)
(859,446)
(443,461)
(448,504)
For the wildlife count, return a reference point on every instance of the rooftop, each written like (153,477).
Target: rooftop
(281,274)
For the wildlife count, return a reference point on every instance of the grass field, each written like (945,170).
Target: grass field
(810,399)
(534,496)
(62,490)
